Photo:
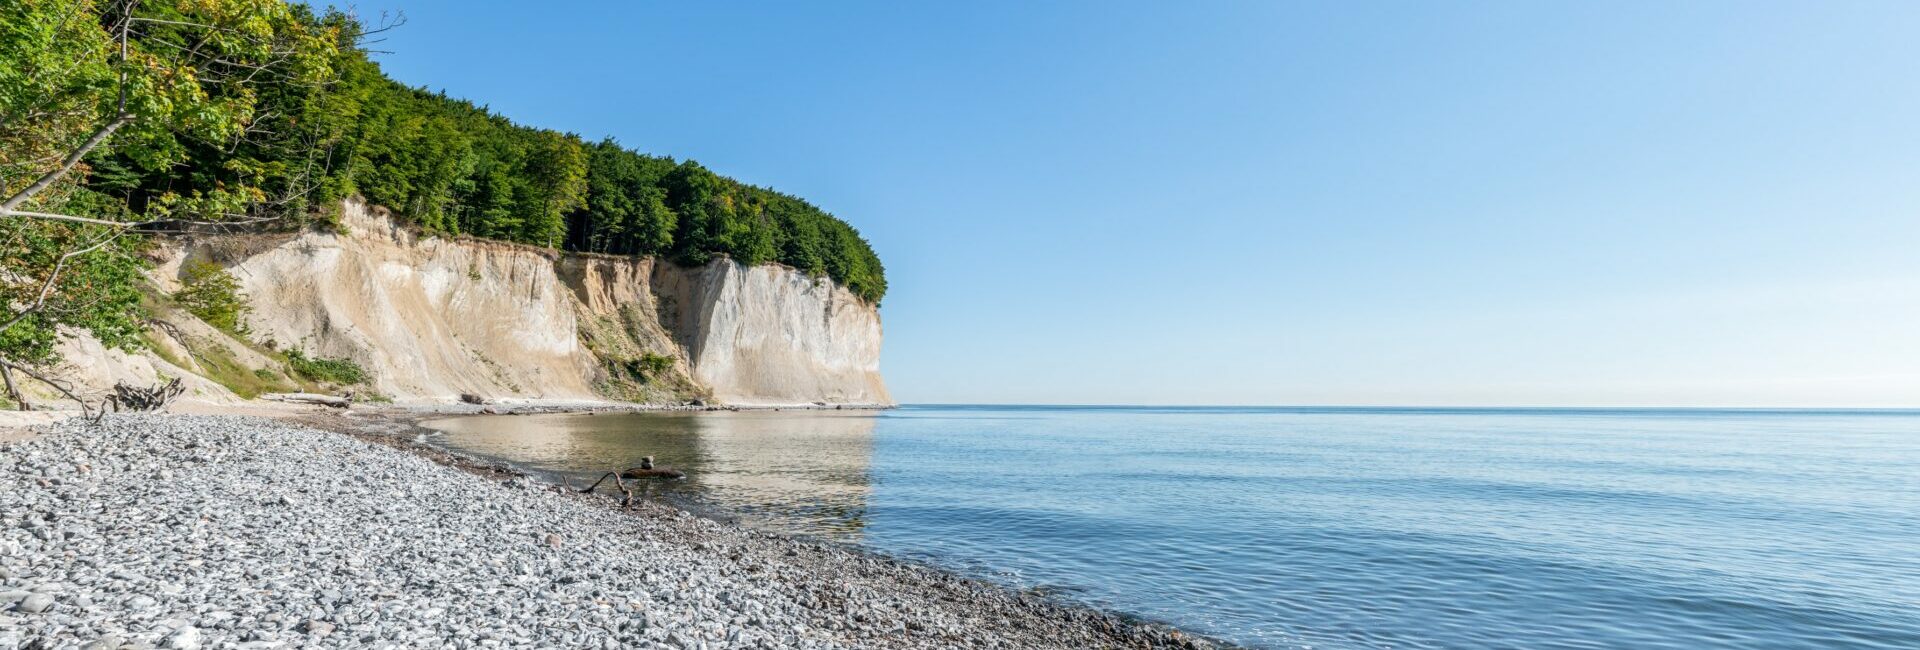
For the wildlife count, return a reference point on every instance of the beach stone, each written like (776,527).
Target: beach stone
(185,638)
(35,603)
(291,536)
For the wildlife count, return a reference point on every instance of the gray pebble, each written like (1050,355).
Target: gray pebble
(35,603)
(186,638)
(288,536)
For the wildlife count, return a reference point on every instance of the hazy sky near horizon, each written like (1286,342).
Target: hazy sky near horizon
(1497,203)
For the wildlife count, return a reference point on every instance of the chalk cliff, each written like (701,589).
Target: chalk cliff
(767,334)
(430,318)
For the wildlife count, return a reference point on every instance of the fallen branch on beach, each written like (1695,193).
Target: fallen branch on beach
(652,472)
(309,398)
(624,502)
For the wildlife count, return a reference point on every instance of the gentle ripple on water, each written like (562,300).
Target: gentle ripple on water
(1338,528)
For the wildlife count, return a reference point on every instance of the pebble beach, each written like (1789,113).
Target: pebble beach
(175,531)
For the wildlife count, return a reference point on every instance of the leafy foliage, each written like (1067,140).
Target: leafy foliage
(96,291)
(644,369)
(202,86)
(213,294)
(337,370)
(453,167)
(143,95)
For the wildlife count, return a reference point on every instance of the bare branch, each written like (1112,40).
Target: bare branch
(142,398)
(138,19)
(137,226)
(624,502)
(85,410)
(63,217)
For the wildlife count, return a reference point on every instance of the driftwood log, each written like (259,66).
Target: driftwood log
(652,472)
(140,398)
(309,398)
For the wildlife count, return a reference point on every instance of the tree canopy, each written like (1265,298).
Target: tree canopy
(265,108)
(454,167)
(100,96)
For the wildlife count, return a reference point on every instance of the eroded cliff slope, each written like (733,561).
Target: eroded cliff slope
(433,318)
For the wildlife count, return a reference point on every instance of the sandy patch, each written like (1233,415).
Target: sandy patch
(21,425)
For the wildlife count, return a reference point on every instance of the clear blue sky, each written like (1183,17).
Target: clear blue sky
(1528,203)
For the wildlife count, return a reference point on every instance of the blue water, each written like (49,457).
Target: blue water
(1344,528)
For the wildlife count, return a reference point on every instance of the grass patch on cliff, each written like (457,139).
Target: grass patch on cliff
(166,354)
(221,366)
(647,378)
(332,370)
(209,358)
(218,355)
(631,372)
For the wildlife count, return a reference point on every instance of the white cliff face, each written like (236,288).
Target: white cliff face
(431,318)
(773,335)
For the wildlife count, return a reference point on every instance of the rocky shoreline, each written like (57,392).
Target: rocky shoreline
(177,531)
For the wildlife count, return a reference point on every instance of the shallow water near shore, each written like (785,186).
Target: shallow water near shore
(1334,528)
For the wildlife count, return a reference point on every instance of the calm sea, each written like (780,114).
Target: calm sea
(1337,528)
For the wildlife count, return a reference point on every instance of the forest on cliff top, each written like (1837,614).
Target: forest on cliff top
(278,111)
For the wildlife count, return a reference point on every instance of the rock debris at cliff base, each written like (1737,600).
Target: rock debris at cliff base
(213,532)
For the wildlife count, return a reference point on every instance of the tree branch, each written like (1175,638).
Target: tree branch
(134,226)
(85,410)
(46,288)
(68,164)
(63,217)
(624,502)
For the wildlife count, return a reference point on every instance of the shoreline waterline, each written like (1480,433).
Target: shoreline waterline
(1290,527)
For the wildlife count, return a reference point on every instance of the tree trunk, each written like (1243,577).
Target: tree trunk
(13,392)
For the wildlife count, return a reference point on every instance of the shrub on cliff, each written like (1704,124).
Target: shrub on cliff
(645,369)
(336,370)
(213,294)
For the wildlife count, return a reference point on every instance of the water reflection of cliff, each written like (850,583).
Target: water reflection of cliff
(803,471)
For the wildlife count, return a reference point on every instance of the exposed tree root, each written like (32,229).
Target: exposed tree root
(136,398)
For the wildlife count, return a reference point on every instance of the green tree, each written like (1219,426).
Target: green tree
(556,182)
(211,293)
(143,88)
